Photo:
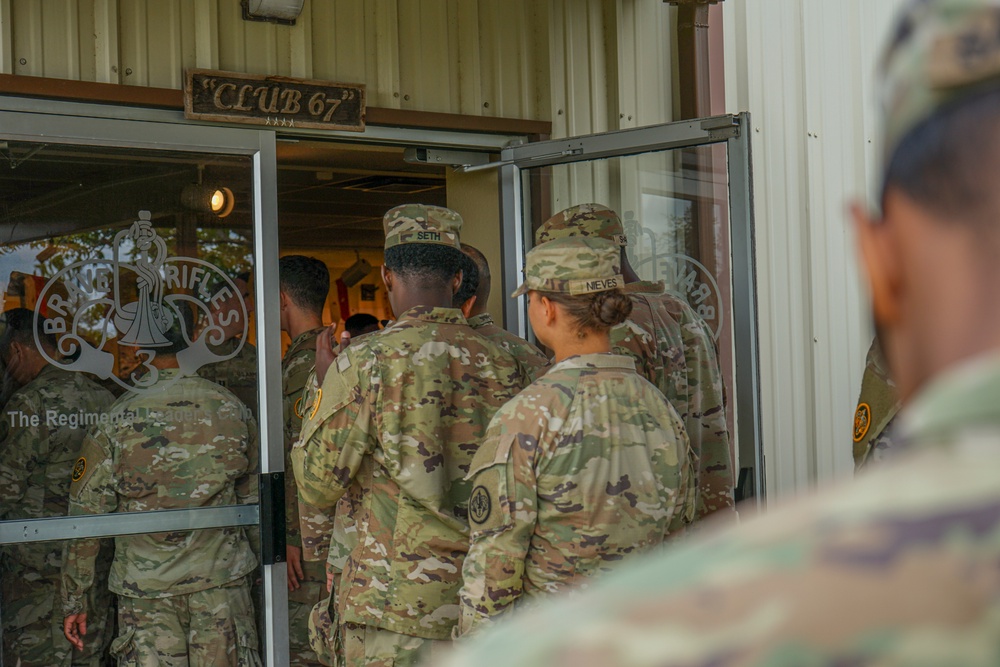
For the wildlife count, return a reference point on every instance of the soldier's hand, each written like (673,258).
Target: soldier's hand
(75,627)
(324,353)
(293,556)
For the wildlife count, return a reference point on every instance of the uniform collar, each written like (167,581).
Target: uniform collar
(480,320)
(303,338)
(645,287)
(962,399)
(437,315)
(598,360)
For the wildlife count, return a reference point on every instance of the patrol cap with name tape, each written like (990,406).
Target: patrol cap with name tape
(941,52)
(422,223)
(594,220)
(574,265)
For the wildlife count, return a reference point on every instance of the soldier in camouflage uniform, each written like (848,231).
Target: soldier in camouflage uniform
(399,418)
(183,597)
(473,297)
(238,374)
(36,462)
(304,286)
(875,415)
(585,467)
(674,349)
(898,567)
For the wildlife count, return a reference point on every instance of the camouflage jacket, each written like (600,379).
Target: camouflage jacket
(584,468)
(896,567)
(296,369)
(42,429)
(238,374)
(877,408)
(674,350)
(399,419)
(188,445)
(530,357)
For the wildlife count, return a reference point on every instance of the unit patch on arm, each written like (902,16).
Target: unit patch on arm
(480,505)
(862,421)
(79,469)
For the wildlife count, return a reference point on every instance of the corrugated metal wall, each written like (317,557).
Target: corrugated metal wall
(587,65)
(477,57)
(804,68)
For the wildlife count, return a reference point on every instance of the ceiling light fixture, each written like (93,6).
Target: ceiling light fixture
(208,199)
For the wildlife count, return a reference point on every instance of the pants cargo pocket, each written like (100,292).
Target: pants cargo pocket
(246,641)
(124,651)
(324,635)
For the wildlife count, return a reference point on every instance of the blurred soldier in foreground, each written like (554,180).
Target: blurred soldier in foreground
(183,597)
(399,418)
(674,349)
(587,466)
(474,296)
(874,418)
(900,566)
(41,431)
(304,283)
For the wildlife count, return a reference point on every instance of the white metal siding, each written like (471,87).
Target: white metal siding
(587,65)
(805,70)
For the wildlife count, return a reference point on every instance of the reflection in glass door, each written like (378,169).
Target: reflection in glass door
(129,356)
(682,193)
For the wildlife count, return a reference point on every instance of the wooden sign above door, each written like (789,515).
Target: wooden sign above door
(274,101)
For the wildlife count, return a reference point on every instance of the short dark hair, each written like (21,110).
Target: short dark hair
(305,280)
(360,323)
(180,329)
(427,264)
(945,163)
(19,327)
(470,282)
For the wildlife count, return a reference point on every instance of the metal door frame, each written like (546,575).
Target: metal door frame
(734,131)
(54,123)
(87,124)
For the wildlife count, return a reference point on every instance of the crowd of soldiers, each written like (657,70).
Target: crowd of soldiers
(446,476)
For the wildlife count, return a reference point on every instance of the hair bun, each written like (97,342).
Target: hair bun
(611,308)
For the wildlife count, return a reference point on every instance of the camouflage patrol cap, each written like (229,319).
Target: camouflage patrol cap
(422,223)
(940,52)
(575,265)
(594,220)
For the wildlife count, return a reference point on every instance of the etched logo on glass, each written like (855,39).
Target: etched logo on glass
(105,310)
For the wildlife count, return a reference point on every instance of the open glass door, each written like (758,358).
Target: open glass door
(137,384)
(683,191)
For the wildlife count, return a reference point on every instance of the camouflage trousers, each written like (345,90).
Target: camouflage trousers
(300,605)
(368,646)
(210,628)
(33,622)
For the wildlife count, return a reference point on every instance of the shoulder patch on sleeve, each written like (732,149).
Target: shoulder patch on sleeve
(489,503)
(340,387)
(91,456)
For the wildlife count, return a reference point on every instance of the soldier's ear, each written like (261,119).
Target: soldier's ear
(549,311)
(467,306)
(880,263)
(387,277)
(456,282)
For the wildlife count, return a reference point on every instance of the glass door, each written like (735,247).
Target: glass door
(141,429)
(683,192)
